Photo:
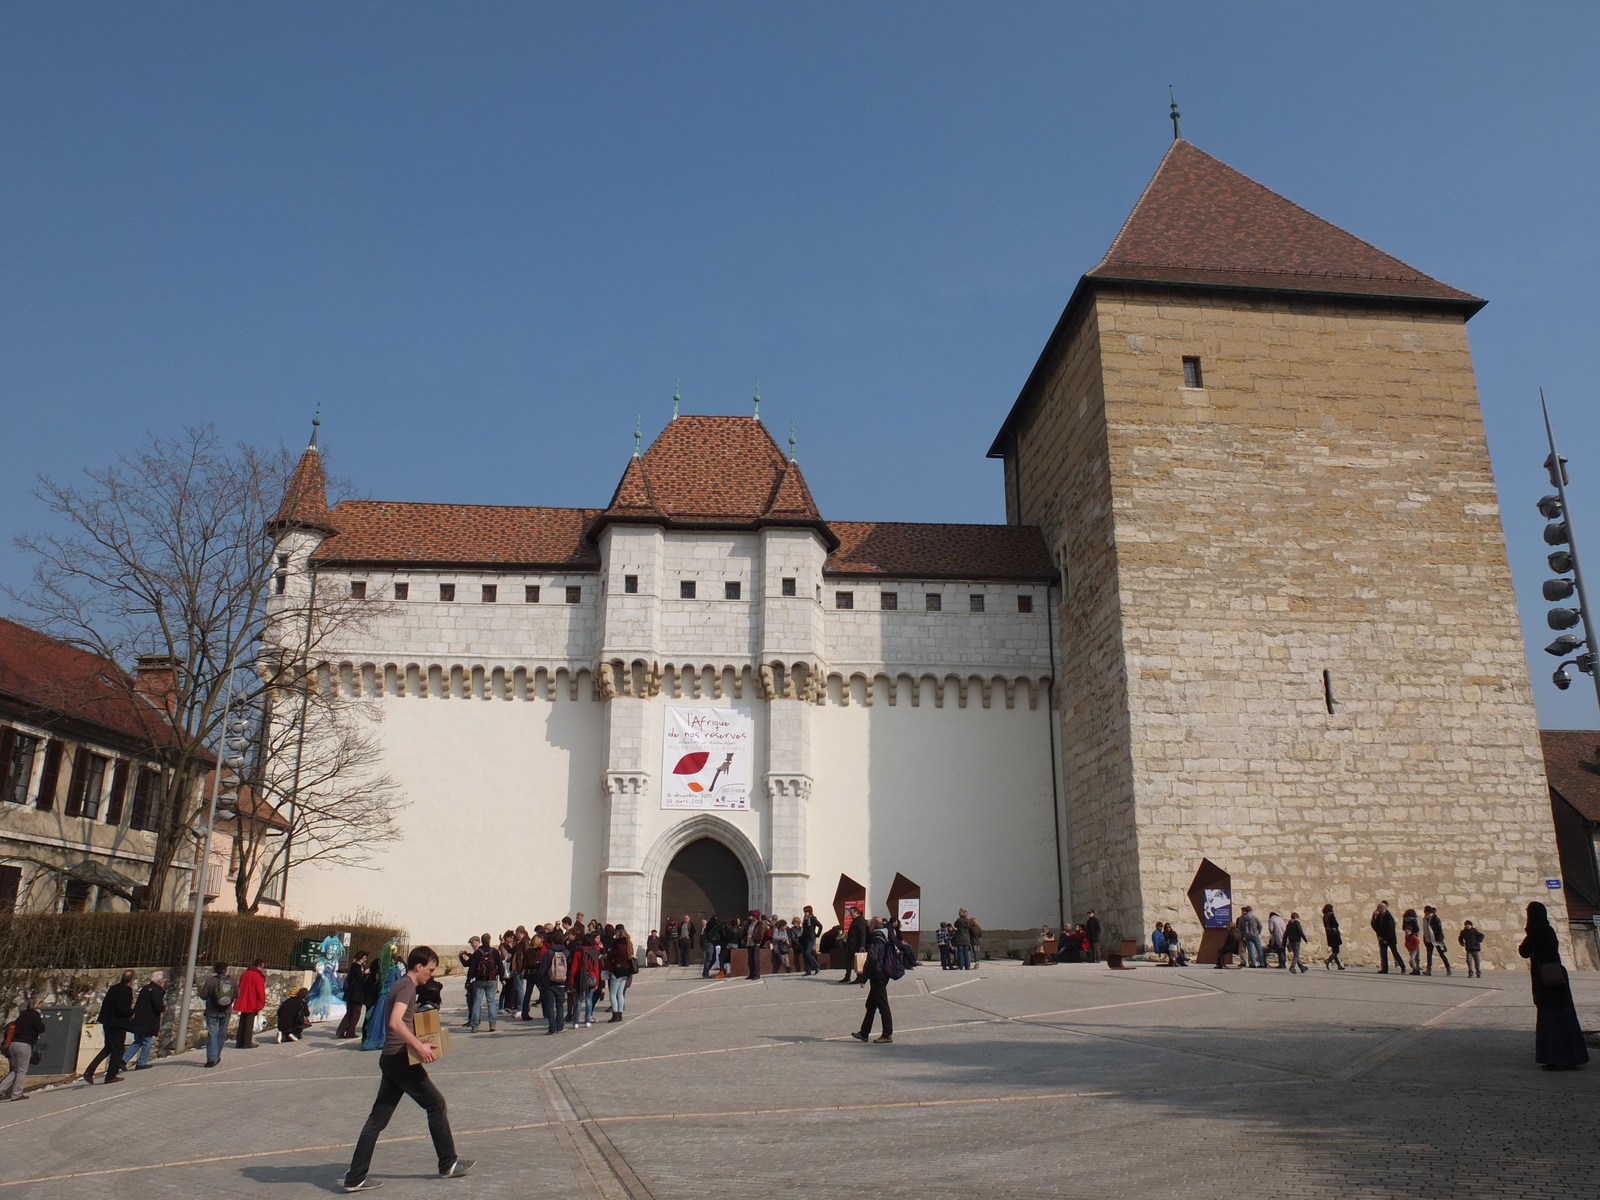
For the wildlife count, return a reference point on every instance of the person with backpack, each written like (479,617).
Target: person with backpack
(218,992)
(116,1014)
(586,978)
(249,1003)
(553,964)
(148,1006)
(403,1078)
(883,964)
(620,966)
(485,973)
(21,1037)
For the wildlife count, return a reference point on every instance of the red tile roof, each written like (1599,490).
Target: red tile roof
(491,535)
(1202,222)
(936,551)
(38,671)
(1572,765)
(305,503)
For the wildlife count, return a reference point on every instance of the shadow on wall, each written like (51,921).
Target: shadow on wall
(578,728)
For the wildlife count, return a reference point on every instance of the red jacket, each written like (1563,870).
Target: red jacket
(252,997)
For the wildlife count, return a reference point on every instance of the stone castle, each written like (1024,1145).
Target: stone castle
(1248,481)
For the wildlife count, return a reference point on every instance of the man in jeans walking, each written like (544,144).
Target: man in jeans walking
(554,973)
(218,992)
(875,977)
(401,1078)
(1250,938)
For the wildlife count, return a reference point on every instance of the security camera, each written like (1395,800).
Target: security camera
(1562,679)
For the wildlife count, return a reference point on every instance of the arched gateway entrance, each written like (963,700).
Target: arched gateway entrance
(704,877)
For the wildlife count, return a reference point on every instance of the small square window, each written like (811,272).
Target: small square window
(730,590)
(975,603)
(530,593)
(844,599)
(575,594)
(1191,373)
(402,591)
(933,601)
(630,584)
(686,589)
(491,593)
(283,561)
(447,591)
(358,589)
(1024,604)
(788,587)
(890,601)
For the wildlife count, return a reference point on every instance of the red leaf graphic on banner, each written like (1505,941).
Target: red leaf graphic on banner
(692,764)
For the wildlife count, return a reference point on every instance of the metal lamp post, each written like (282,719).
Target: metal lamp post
(1557,534)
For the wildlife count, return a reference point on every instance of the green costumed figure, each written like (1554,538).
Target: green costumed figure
(390,968)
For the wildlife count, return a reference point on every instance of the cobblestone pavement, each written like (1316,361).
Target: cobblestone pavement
(1010,1081)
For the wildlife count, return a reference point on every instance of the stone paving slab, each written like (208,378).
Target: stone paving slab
(1005,1082)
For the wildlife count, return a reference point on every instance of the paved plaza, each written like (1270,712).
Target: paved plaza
(1069,1081)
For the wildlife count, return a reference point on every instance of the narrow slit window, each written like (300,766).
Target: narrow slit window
(402,591)
(491,593)
(1327,690)
(731,590)
(788,587)
(844,599)
(685,589)
(630,584)
(575,594)
(530,593)
(1191,373)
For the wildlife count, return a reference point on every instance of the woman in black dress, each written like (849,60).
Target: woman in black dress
(1335,939)
(1558,1041)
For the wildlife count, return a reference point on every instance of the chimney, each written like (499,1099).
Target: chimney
(157,678)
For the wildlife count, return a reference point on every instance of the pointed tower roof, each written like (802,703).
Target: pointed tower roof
(714,473)
(305,501)
(1201,222)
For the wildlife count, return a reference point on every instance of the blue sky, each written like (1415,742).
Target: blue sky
(487,237)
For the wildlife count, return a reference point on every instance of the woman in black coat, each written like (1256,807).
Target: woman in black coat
(1331,934)
(1558,1040)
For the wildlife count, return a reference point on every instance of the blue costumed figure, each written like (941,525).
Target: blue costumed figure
(327,989)
(390,969)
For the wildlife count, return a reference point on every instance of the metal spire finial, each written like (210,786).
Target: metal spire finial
(315,422)
(791,441)
(758,399)
(638,423)
(1177,130)
(675,399)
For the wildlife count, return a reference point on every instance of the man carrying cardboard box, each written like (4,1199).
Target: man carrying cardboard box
(401,1065)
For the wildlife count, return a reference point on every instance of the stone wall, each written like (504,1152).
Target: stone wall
(1324,503)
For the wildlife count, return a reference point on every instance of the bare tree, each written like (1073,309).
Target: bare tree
(169,557)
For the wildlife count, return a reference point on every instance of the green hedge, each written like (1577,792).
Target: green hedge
(86,941)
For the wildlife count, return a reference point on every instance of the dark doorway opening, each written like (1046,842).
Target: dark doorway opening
(704,877)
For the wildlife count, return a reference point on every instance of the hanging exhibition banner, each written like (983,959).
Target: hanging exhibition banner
(706,757)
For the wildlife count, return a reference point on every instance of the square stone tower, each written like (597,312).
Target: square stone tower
(1287,636)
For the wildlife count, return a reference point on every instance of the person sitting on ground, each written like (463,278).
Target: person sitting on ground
(654,954)
(294,1015)
(1232,939)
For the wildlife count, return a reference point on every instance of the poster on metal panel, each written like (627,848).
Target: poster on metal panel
(1218,912)
(910,915)
(706,757)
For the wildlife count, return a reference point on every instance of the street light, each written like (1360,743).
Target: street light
(1555,510)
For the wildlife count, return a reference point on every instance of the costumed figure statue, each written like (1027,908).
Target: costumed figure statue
(327,989)
(390,968)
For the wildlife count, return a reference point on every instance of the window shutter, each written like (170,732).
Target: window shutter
(143,793)
(80,773)
(119,790)
(45,801)
(8,747)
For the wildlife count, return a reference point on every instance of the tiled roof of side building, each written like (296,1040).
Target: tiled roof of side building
(401,533)
(45,673)
(1201,222)
(939,551)
(1572,765)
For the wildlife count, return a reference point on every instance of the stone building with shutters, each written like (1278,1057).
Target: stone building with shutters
(78,782)
(1251,605)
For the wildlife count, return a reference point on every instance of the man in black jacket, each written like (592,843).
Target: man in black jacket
(355,994)
(711,942)
(1091,930)
(146,1024)
(116,1014)
(875,976)
(1383,926)
(30,1028)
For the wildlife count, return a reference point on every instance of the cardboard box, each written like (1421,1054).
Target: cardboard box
(425,1021)
(440,1042)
